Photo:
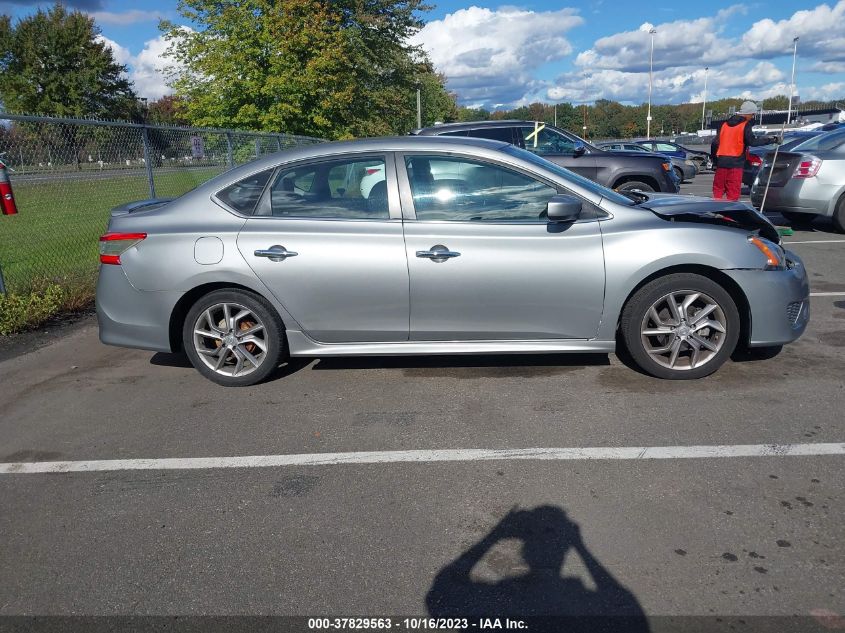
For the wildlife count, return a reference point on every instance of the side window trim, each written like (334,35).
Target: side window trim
(393,204)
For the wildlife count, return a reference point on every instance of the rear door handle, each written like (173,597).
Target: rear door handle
(438,253)
(275,253)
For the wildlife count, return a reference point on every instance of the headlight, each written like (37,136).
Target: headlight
(773,253)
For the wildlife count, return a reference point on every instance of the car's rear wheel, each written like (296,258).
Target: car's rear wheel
(680,326)
(233,337)
(634,185)
(839,215)
(799,219)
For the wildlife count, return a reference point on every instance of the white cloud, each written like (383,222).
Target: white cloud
(120,53)
(148,69)
(820,29)
(826,92)
(672,85)
(126,17)
(489,55)
(681,43)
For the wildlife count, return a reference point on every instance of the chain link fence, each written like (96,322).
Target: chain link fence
(67,174)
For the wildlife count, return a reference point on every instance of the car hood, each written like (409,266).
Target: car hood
(675,208)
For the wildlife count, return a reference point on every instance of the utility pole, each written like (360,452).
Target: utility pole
(792,85)
(651,32)
(585,105)
(419,110)
(555,117)
(704,101)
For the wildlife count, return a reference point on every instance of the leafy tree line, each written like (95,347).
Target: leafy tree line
(611,119)
(327,68)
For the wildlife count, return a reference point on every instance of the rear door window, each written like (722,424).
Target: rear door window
(348,189)
(504,134)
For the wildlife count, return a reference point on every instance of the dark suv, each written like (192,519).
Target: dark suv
(622,171)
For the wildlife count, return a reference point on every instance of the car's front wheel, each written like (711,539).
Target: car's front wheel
(233,337)
(680,326)
(634,185)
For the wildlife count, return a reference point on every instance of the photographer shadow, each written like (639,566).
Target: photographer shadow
(552,602)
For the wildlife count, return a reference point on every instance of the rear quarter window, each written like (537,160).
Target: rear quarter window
(244,194)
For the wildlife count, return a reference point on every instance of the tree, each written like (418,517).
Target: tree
(53,63)
(167,111)
(330,68)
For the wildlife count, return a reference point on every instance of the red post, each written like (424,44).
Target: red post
(7,198)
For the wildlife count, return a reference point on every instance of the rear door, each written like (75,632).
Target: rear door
(484,262)
(331,250)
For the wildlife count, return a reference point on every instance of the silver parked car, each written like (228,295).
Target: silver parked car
(468,246)
(808,180)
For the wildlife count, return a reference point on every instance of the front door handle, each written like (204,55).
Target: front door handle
(275,253)
(438,253)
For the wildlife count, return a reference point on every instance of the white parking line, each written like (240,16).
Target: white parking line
(817,242)
(428,456)
(827,294)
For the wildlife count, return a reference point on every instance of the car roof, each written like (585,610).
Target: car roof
(470,125)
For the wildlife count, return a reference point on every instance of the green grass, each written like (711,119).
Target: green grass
(54,236)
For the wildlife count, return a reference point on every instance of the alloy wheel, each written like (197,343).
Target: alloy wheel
(684,330)
(230,339)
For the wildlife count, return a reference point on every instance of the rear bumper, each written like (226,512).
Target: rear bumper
(133,318)
(797,196)
(779,302)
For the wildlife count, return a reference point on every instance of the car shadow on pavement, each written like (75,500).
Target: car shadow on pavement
(498,364)
(531,584)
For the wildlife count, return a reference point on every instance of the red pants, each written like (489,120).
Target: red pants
(728,181)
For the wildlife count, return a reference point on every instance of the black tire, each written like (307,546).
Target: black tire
(798,219)
(634,185)
(839,216)
(679,173)
(272,335)
(634,315)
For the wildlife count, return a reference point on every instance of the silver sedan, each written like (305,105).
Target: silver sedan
(464,246)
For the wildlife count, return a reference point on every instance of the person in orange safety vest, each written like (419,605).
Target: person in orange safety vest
(728,151)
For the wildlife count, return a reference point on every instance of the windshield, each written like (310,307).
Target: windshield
(822,142)
(567,175)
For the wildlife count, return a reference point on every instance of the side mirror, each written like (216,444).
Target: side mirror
(580,149)
(563,208)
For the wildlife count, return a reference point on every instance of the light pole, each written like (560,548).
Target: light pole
(419,109)
(792,85)
(651,32)
(704,101)
(585,106)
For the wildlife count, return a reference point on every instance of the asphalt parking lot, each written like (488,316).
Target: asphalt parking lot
(421,505)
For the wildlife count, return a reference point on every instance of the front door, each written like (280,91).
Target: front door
(557,147)
(484,262)
(324,241)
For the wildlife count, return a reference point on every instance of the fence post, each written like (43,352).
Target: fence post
(147,161)
(229,158)
(278,144)
(2,282)
(257,147)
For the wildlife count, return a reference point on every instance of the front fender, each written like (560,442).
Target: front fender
(632,256)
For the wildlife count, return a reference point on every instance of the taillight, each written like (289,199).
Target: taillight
(667,166)
(113,245)
(755,160)
(373,170)
(808,167)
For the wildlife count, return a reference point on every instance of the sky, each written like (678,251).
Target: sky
(503,55)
